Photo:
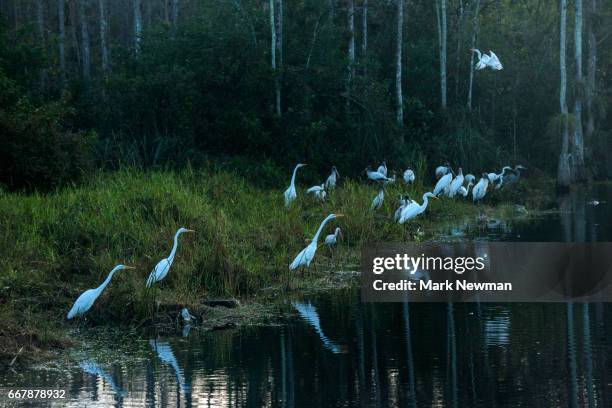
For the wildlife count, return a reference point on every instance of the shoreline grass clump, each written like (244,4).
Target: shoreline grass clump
(55,245)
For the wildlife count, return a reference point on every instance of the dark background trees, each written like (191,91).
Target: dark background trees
(167,82)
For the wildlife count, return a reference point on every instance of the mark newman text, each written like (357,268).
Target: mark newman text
(447,285)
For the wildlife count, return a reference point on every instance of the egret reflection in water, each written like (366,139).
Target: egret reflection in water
(308,312)
(91,367)
(165,354)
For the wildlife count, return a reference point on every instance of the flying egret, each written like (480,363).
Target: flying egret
(306,255)
(480,189)
(378,200)
(376,175)
(442,170)
(444,183)
(332,239)
(187,317)
(409,176)
(382,169)
(494,62)
(87,298)
(456,183)
(413,209)
(290,193)
(318,192)
(331,181)
(161,269)
(483,59)
(512,177)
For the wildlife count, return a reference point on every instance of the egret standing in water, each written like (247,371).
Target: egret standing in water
(413,209)
(331,181)
(409,176)
(87,298)
(305,257)
(290,193)
(444,183)
(378,200)
(161,269)
(480,189)
(456,184)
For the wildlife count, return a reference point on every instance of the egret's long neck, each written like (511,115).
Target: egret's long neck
(325,221)
(106,281)
(477,51)
(470,184)
(337,232)
(425,202)
(293,176)
(173,252)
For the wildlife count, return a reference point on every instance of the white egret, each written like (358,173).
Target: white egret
(378,200)
(389,180)
(398,213)
(444,182)
(483,59)
(456,183)
(382,169)
(187,317)
(332,239)
(306,255)
(290,193)
(464,191)
(413,209)
(409,176)
(469,178)
(331,181)
(318,191)
(442,170)
(480,189)
(161,269)
(494,62)
(376,175)
(87,298)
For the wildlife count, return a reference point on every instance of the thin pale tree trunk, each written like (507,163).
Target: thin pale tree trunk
(137,25)
(563,170)
(350,11)
(591,82)
(442,41)
(273,47)
(175,14)
(578,137)
(474,37)
(279,55)
(459,43)
(399,100)
(103,34)
(85,45)
(364,35)
(40,22)
(61,41)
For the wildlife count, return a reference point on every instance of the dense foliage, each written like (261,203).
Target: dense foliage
(204,87)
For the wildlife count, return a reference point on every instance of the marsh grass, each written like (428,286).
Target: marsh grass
(54,246)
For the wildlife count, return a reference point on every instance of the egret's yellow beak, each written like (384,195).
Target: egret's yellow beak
(129,267)
(339,215)
(190,230)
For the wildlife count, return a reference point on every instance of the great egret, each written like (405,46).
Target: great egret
(87,298)
(332,239)
(382,169)
(331,181)
(398,213)
(464,191)
(318,191)
(469,178)
(187,317)
(161,269)
(444,182)
(480,189)
(290,193)
(376,175)
(484,60)
(495,177)
(442,170)
(494,62)
(409,176)
(306,255)
(456,183)
(413,209)
(378,200)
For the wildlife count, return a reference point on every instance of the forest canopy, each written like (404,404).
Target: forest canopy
(99,84)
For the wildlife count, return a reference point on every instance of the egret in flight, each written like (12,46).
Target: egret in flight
(162,268)
(456,184)
(87,298)
(378,200)
(332,239)
(484,60)
(512,177)
(305,257)
(290,193)
(331,181)
(409,176)
(318,192)
(480,189)
(413,209)
(376,175)
(444,183)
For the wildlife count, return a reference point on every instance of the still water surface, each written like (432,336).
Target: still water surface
(333,350)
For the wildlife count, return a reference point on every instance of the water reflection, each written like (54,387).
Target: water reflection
(165,354)
(308,312)
(91,367)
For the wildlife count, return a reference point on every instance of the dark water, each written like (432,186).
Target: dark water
(334,350)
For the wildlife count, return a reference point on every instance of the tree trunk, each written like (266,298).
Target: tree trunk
(578,137)
(103,35)
(364,31)
(442,34)
(399,102)
(273,47)
(563,170)
(137,25)
(459,43)
(175,13)
(474,37)
(40,23)
(279,56)
(85,45)
(61,41)
(591,82)
(350,13)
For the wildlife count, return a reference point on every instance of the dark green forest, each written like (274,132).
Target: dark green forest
(258,85)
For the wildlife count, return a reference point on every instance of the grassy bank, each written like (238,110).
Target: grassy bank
(54,246)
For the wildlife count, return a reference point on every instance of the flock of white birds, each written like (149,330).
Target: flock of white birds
(449,184)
